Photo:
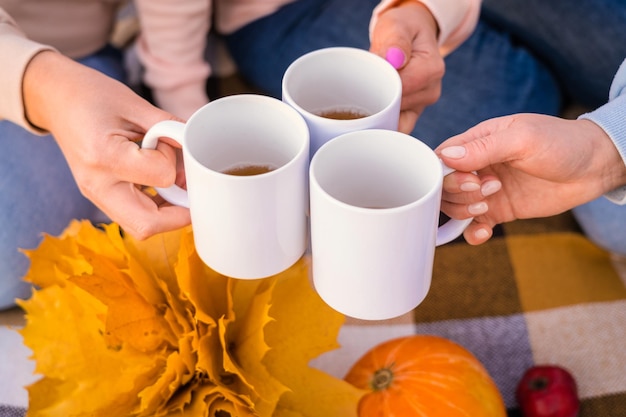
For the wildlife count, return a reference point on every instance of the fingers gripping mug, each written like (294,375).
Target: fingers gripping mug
(339,90)
(246,160)
(375,203)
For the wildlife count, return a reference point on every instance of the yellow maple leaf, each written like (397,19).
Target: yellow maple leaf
(299,314)
(121,327)
(83,376)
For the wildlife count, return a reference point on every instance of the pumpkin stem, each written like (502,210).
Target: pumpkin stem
(382,379)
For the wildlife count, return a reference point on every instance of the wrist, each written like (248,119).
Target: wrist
(182,101)
(428,15)
(35,87)
(613,171)
(425,13)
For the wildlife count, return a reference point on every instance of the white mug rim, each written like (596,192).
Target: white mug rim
(433,187)
(394,76)
(297,119)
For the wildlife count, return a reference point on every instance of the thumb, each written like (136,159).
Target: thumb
(391,41)
(396,57)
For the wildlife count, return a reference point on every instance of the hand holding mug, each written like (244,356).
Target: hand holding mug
(340,90)
(375,201)
(246,158)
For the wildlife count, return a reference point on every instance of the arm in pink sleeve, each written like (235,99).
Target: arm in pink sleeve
(171,48)
(456,19)
(16,51)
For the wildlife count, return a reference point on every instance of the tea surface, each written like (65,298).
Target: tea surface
(343,114)
(248,170)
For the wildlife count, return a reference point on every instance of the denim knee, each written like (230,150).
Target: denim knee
(13,267)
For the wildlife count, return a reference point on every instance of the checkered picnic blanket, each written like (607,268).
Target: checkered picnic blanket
(10,411)
(539,292)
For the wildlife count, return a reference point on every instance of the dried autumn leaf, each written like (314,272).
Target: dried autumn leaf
(300,313)
(83,376)
(143,328)
(130,317)
(231,351)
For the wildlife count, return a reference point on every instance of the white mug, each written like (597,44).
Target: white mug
(375,200)
(349,80)
(245,226)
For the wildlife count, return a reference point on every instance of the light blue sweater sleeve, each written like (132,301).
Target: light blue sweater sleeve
(612,118)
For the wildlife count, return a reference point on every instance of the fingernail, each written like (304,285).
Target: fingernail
(454,152)
(481,234)
(490,187)
(395,56)
(477,209)
(469,186)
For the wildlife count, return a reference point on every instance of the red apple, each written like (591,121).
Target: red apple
(547,391)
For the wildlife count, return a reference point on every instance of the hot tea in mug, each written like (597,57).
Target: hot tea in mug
(245,170)
(343,113)
(339,90)
(246,181)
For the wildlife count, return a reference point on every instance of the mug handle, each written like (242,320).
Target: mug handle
(453,228)
(173,130)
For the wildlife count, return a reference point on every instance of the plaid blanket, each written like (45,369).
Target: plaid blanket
(538,292)
(10,411)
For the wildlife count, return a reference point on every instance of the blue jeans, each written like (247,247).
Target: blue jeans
(39,194)
(524,56)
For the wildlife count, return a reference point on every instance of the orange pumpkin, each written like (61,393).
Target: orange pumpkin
(427,376)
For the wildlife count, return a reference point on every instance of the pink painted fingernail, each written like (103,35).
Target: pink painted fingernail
(395,56)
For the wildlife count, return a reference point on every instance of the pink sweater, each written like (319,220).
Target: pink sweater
(171,45)
(178,30)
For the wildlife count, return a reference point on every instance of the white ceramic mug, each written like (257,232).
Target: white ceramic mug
(375,204)
(343,79)
(250,226)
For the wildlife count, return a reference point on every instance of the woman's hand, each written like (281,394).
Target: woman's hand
(406,35)
(98,123)
(528,166)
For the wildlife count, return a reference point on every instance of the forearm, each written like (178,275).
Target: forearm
(171,47)
(16,52)
(611,118)
(57,89)
(606,171)
(45,86)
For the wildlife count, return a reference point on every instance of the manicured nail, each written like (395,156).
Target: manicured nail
(469,186)
(454,152)
(490,187)
(481,234)
(477,209)
(395,56)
